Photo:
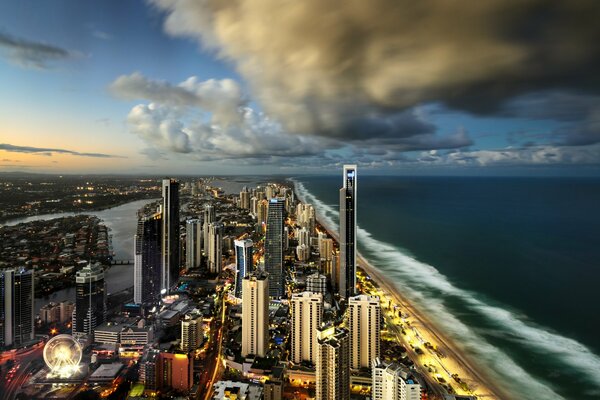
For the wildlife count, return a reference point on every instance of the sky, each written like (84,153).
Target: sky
(265,86)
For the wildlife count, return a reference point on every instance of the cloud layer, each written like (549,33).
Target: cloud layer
(32,54)
(333,67)
(49,151)
(213,120)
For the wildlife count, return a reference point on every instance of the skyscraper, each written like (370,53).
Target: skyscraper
(147,267)
(90,299)
(209,217)
(243,262)
(274,247)
(333,364)
(215,247)
(193,243)
(391,381)
(16,306)
(255,314)
(307,314)
(347,282)
(170,233)
(364,325)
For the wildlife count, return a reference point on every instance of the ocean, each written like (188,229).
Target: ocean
(508,267)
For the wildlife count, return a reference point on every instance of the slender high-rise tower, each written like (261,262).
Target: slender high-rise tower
(170,233)
(193,243)
(274,247)
(90,300)
(16,306)
(215,247)
(347,282)
(243,263)
(209,217)
(147,267)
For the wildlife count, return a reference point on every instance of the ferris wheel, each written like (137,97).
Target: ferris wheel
(62,354)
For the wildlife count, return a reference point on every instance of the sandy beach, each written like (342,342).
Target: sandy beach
(481,385)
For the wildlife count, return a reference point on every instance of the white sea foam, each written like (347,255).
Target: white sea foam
(425,286)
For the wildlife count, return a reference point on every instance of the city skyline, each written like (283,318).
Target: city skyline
(161,87)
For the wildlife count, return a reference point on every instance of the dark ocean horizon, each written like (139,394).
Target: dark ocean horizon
(508,267)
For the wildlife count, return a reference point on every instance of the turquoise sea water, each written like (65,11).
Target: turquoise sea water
(508,267)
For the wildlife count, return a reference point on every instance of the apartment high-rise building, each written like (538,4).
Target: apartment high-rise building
(333,364)
(210,216)
(274,247)
(243,262)
(175,371)
(147,263)
(347,277)
(262,209)
(391,381)
(16,307)
(316,283)
(307,315)
(191,333)
(364,316)
(255,314)
(170,234)
(90,300)
(245,199)
(193,243)
(215,246)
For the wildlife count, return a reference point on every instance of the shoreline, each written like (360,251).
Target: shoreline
(473,374)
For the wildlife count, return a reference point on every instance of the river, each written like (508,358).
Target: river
(121,222)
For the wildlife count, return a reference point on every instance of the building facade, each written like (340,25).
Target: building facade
(147,263)
(255,314)
(193,243)
(215,246)
(391,381)
(364,317)
(307,315)
(243,262)
(170,234)
(333,364)
(16,307)
(274,247)
(347,276)
(90,300)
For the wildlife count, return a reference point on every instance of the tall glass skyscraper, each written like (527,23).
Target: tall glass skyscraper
(210,216)
(347,282)
(147,275)
(16,306)
(274,247)
(243,262)
(90,299)
(170,233)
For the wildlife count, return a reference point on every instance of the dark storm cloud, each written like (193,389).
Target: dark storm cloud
(49,151)
(32,54)
(324,67)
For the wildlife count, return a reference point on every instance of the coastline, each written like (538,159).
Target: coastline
(471,371)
